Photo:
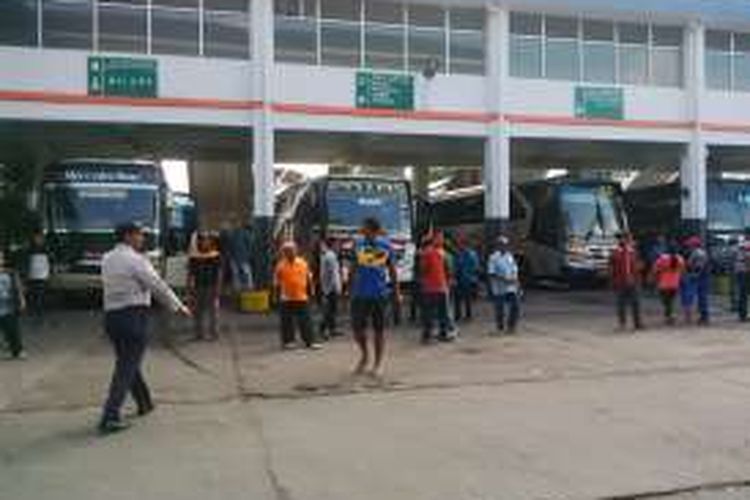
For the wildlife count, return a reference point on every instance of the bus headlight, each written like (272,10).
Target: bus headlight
(578,255)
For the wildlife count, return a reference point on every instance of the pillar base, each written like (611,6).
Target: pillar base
(264,251)
(494,227)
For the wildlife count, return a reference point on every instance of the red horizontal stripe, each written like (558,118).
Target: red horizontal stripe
(148,102)
(326,110)
(598,122)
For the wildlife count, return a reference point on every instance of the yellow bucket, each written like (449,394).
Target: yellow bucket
(722,284)
(258,301)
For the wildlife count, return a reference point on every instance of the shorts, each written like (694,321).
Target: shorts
(688,292)
(364,310)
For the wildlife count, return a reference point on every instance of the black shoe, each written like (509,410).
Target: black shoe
(112,426)
(146,409)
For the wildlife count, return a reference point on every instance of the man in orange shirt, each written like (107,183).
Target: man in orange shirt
(293,288)
(434,281)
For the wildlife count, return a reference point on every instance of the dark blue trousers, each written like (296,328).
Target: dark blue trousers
(510,302)
(742,289)
(126,329)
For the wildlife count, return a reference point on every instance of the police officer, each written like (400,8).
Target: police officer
(129,279)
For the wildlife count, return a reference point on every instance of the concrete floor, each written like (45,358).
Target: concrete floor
(566,410)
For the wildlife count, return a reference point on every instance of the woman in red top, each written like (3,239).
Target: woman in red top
(667,272)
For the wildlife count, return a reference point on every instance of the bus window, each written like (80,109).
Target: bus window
(546,227)
(97,208)
(728,207)
(590,211)
(350,202)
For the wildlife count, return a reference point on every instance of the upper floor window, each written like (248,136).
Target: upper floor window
(67,24)
(123,25)
(727,61)
(226,28)
(666,56)
(295,24)
(466,47)
(215,28)
(379,34)
(18,23)
(587,50)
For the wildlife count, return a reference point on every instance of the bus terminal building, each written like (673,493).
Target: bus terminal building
(648,85)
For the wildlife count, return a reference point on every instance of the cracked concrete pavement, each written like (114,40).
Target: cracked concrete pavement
(566,410)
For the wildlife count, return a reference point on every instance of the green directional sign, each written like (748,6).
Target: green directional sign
(122,76)
(385,91)
(599,102)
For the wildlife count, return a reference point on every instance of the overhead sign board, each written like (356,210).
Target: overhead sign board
(385,91)
(122,76)
(599,102)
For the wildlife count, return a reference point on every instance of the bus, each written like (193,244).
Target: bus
(82,202)
(560,229)
(461,212)
(655,210)
(335,207)
(573,229)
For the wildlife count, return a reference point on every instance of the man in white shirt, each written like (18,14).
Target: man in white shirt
(37,275)
(129,279)
(504,285)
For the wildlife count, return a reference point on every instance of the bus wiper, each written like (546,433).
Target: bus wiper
(600,217)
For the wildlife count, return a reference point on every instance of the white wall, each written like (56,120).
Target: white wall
(52,73)
(65,71)
(540,108)
(446,105)
(314,85)
(552,98)
(727,108)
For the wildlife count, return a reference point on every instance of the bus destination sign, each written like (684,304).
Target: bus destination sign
(385,91)
(122,76)
(103,174)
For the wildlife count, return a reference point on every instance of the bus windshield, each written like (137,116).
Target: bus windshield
(728,206)
(101,207)
(351,201)
(591,211)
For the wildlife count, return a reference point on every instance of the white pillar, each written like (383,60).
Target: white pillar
(693,182)
(693,166)
(262,26)
(497,145)
(263,132)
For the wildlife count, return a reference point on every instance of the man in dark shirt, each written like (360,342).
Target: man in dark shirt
(204,284)
(625,271)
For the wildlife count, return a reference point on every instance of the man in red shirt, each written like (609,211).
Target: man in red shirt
(434,281)
(625,271)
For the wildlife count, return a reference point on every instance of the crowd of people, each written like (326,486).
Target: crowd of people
(674,269)
(449,275)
